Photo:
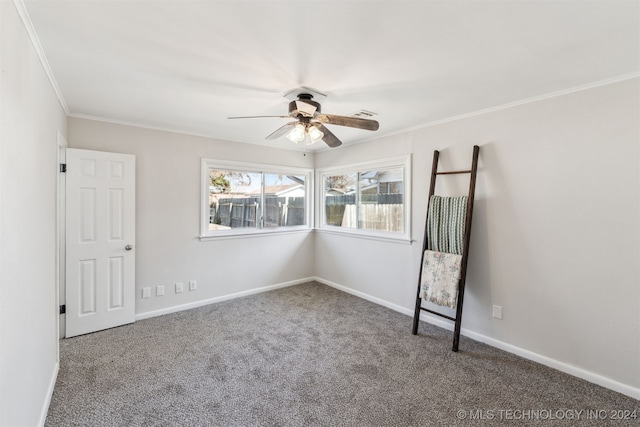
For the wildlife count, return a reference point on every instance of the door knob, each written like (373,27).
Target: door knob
(128,248)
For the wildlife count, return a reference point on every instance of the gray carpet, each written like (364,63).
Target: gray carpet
(309,355)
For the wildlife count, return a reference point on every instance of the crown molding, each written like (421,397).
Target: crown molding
(28,26)
(550,95)
(522,102)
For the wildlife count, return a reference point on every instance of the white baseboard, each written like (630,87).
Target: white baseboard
(592,377)
(575,371)
(52,385)
(368,297)
(176,308)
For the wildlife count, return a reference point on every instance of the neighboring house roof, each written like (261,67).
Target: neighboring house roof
(279,190)
(394,175)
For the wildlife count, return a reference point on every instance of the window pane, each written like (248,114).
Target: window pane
(284,200)
(340,200)
(381,200)
(234,199)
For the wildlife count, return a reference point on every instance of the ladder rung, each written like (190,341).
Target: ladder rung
(452,172)
(438,314)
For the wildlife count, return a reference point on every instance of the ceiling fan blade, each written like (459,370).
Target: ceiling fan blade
(259,117)
(353,122)
(282,130)
(329,138)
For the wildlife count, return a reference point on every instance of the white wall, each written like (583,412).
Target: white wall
(168,217)
(30,120)
(555,236)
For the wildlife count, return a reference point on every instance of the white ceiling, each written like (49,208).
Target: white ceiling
(188,65)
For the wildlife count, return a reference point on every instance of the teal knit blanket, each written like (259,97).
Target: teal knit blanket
(446,223)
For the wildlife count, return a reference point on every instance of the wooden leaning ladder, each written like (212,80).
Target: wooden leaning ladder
(465,252)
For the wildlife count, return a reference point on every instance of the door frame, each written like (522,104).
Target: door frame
(61,236)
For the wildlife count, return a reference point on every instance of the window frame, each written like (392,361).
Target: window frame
(400,162)
(207,165)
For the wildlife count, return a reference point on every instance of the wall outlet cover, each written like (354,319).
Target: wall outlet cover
(193,285)
(159,290)
(179,287)
(146,292)
(497,311)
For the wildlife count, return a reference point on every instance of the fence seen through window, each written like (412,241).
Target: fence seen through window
(241,199)
(368,200)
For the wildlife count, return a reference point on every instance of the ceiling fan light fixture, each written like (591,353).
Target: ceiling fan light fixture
(315,134)
(297,133)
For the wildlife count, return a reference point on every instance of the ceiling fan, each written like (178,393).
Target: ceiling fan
(309,123)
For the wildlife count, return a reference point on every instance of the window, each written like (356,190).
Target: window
(368,198)
(245,198)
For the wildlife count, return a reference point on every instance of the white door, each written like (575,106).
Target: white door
(100,242)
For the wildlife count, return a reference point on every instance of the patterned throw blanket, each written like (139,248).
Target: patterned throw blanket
(443,257)
(446,224)
(440,278)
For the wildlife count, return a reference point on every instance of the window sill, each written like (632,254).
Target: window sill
(399,239)
(254,233)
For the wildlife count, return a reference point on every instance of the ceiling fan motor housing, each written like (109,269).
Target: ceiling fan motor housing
(304,106)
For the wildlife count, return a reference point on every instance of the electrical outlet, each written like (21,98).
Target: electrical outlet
(497,312)
(146,292)
(193,285)
(179,287)
(159,290)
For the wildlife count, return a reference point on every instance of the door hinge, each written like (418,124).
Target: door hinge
(63,309)
(63,167)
